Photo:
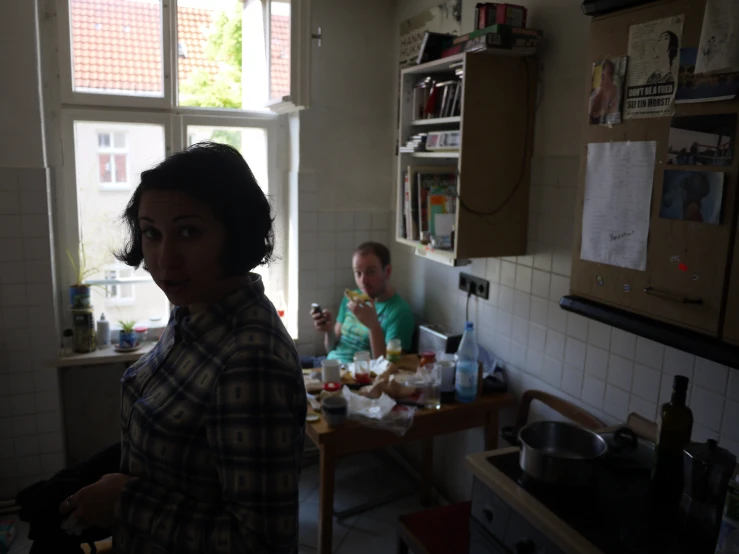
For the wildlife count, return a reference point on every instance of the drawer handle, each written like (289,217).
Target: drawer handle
(488,513)
(672,296)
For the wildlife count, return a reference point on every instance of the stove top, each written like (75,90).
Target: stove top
(616,513)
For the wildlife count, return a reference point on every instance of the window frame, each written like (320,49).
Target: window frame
(118,282)
(114,185)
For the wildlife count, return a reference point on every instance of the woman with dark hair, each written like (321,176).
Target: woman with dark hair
(665,52)
(212,419)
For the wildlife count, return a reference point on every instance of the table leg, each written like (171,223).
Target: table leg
(491,430)
(427,471)
(326,501)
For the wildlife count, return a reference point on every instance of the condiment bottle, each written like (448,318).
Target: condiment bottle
(427,358)
(393,351)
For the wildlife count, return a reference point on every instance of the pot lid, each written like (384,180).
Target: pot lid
(710,453)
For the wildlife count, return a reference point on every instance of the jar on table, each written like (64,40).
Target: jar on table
(362,368)
(393,351)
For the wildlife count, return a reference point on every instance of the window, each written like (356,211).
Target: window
(142,79)
(112,160)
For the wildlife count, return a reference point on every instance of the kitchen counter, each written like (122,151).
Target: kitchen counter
(529,507)
(102,356)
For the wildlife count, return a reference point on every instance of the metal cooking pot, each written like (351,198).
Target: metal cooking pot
(559,452)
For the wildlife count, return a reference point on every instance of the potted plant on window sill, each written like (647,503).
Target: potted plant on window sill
(127,336)
(79,292)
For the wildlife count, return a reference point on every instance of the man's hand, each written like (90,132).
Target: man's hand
(95,504)
(323,321)
(366,313)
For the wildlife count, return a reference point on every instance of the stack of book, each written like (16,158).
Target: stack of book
(417,143)
(429,202)
(521,39)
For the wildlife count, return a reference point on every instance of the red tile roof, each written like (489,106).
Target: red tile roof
(116,45)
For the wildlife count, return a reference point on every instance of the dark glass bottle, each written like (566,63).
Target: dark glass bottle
(675,425)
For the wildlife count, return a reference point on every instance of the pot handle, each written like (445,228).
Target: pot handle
(510,435)
(625,438)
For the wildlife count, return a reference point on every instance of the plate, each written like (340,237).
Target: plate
(312,417)
(127,349)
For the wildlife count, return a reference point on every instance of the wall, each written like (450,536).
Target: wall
(31,442)
(346,152)
(607,371)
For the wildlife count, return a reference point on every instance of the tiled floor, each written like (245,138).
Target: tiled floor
(358,479)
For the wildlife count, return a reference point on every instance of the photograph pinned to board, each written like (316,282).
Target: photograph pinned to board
(718,50)
(607,91)
(618,193)
(692,88)
(692,196)
(702,140)
(654,61)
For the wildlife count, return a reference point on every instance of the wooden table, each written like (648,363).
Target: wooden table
(353,438)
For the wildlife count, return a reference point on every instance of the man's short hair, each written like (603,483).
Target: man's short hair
(376,249)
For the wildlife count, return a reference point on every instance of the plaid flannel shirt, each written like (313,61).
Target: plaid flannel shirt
(212,429)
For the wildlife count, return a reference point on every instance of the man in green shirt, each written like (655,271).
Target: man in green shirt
(368,325)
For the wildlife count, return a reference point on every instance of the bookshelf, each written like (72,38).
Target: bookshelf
(496,124)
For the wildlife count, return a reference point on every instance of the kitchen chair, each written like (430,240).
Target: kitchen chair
(570,411)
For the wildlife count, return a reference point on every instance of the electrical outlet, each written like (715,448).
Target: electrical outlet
(480,286)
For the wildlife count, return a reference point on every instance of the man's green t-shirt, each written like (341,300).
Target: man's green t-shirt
(396,320)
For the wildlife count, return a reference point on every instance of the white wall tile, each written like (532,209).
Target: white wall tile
(523,278)
(23,425)
(596,362)
(678,362)
(707,408)
(521,304)
(555,345)
(733,390)
(492,270)
(48,422)
(345,240)
(572,381)
(517,354)
(10,227)
(504,323)
(26,446)
(19,383)
(505,299)
(34,202)
(730,426)
(50,442)
(593,391)
(13,295)
(520,331)
(326,221)
(47,401)
(623,343)
(575,353)
(643,407)
(537,337)
(710,375)
(308,201)
(308,221)
(560,286)
(362,221)
(326,260)
(702,434)
(36,249)
(508,274)
(730,445)
(562,261)
(35,226)
(326,241)
(11,250)
(649,353)
(28,465)
(556,318)
(599,334)
(52,462)
(22,404)
(380,221)
(16,317)
(534,362)
(10,202)
(620,372)
(646,383)
(577,326)
(552,371)
(543,261)
(539,311)
(616,403)
(540,283)
(344,221)
(37,271)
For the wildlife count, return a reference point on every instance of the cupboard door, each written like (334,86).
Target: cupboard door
(685,279)
(731,319)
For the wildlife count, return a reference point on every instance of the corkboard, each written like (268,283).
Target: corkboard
(704,249)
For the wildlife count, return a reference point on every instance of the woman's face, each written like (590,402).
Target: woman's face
(662,47)
(182,243)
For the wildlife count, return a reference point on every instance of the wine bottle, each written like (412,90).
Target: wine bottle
(675,425)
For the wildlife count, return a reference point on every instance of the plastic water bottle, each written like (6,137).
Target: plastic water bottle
(466,376)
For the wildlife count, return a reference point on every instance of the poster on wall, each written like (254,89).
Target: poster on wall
(618,193)
(607,90)
(702,140)
(718,51)
(694,88)
(445,17)
(692,196)
(654,61)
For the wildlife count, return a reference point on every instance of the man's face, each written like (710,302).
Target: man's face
(369,274)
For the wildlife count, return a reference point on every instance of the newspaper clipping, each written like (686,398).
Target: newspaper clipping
(654,60)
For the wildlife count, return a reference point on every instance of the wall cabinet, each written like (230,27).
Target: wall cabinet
(686,282)
(492,162)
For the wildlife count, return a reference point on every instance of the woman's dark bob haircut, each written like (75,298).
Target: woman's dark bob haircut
(216,175)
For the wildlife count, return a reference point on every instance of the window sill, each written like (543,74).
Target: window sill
(103,356)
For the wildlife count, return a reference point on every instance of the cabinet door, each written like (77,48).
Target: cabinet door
(731,320)
(686,274)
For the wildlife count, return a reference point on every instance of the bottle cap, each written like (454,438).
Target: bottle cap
(680,382)
(102,317)
(469,326)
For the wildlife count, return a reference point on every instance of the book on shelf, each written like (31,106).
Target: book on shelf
(442,200)
(428,180)
(432,100)
(488,13)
